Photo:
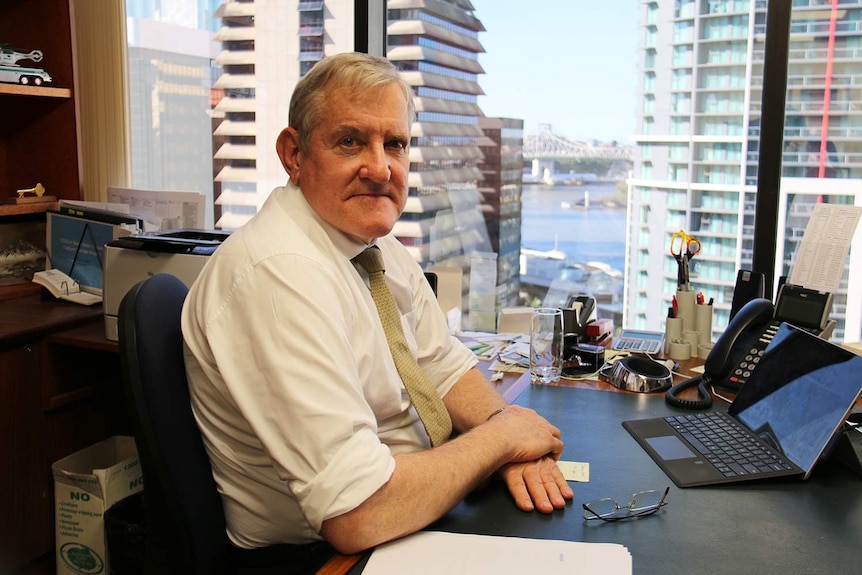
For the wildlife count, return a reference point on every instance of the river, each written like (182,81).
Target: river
(551,216)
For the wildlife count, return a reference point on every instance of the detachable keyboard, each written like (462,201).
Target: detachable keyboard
(727,445)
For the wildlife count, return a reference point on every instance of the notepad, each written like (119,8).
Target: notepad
(435,552)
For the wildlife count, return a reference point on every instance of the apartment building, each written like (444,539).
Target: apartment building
(700,82)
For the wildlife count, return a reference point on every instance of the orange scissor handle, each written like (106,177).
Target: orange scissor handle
(682,243)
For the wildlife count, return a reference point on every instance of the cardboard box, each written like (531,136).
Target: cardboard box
(86,484)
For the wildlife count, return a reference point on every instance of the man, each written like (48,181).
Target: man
(310,431)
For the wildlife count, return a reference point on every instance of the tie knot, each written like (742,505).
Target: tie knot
(371,259)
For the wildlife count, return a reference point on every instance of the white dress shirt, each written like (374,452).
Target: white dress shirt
(292,383)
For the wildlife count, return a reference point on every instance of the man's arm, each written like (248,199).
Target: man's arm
(427,484)
(534,485)
(471,400)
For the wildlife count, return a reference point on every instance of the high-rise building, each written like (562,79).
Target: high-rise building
(267,45)
(701,80)
(501,190)
(169,96)
(436,47)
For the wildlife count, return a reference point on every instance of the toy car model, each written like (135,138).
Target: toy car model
(11,72)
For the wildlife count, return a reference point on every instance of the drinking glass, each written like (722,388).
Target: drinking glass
(546,344)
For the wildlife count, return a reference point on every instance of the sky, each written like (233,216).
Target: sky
(568,63)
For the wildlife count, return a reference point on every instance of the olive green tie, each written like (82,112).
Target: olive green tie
(424,396)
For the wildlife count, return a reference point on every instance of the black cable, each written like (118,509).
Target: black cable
(704,402)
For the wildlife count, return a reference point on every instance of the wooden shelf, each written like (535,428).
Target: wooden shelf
(44,91)
(14,291)
(23,209)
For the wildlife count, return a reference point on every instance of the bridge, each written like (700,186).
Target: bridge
(546,146)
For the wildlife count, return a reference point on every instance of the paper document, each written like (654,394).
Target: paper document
(434,552)
(823,252)
(162,210)
(575,470)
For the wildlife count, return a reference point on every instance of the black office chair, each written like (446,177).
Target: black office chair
(185,524)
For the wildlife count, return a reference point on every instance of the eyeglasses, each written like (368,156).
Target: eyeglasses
(642,503)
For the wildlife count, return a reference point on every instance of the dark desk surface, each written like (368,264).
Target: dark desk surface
(32,316)
(779,526)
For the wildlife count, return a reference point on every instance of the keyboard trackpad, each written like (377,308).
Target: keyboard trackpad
(670,447)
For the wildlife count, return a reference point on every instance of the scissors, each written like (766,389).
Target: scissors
(683,247)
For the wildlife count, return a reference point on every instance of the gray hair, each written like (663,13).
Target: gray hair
(356,70)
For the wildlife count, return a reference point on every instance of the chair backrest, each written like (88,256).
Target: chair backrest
(185,525)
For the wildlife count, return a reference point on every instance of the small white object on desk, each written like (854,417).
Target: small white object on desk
(575,471)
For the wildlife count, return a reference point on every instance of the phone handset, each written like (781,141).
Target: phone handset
(743,330)
(746,327)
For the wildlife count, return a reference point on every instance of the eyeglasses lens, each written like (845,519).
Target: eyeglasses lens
(641,503)
(645,501)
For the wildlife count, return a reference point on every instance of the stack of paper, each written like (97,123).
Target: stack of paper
(515,357)
(432,553)
(485,345)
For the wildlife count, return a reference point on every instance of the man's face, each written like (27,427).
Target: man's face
(354,174)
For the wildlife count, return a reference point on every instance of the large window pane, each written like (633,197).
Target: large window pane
(822,144)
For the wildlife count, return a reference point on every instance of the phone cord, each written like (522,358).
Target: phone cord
(704,402)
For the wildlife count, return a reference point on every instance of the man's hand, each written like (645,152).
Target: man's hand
(537,485)
(528,435)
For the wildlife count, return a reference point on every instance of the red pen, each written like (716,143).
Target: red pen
(675,307)
(699,298)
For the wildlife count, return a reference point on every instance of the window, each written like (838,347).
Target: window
(695,120)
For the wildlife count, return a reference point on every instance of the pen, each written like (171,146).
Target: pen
(699,298)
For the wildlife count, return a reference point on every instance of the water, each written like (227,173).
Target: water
(597,234)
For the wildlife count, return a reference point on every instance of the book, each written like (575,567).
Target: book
(63,287)
(75,247)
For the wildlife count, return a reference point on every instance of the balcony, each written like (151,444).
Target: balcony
(308,30)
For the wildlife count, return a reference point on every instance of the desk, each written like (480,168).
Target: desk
(779,526)
(59,392)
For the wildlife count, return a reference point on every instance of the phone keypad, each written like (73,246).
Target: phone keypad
(741,374)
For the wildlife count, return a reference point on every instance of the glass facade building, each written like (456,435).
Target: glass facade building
(701,65)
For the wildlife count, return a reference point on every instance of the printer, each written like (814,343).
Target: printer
(130,259)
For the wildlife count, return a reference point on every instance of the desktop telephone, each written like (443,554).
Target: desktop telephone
(739,349)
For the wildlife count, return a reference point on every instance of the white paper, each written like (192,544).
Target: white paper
(823,252)
(575,470)
(433,553)
(162,210)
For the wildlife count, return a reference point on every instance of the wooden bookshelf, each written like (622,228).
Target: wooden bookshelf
(38,91)
(26,209)
(39,141)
